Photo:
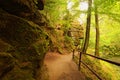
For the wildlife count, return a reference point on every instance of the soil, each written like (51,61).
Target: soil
(62,67)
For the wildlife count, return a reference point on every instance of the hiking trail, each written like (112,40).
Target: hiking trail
(62,67)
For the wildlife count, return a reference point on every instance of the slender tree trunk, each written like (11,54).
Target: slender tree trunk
(87,35)
(97,32)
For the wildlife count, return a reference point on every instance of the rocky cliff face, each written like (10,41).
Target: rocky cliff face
(23,42)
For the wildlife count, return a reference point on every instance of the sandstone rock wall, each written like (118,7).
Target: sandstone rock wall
(23,42)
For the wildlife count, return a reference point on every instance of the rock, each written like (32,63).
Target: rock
(17,7)
(17,31)
(27,43)
(40,4)
(6,63)
(27,9)
(5,47)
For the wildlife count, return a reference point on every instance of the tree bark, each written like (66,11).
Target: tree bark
(97,32)
(87,34)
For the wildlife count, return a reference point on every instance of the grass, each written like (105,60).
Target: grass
(105,70)
(113,70)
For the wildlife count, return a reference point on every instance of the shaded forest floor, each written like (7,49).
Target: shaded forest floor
(61,67)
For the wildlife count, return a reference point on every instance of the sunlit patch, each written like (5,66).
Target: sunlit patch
(69,5)
(82,18)
(83,6)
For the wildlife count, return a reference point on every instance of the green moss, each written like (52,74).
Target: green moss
(5,47)
(19,74)
(7,63)
(19,31)
(26,43)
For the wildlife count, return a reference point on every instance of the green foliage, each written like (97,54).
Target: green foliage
(110,8)
(54,10)
(113,48)
(69,43)
(109,18)
(103,69)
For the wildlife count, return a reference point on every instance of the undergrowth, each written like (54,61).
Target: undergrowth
(42,74)
(105,70)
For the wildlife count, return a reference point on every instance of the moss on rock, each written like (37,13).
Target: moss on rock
(17,31)
(25,46)
(6,63)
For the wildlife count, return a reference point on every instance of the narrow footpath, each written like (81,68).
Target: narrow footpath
(61,67)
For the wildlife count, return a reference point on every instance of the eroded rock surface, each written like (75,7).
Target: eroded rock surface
(23,42)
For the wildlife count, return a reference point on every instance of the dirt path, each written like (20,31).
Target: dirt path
(61,67)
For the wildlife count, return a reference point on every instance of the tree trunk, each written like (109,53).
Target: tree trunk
(97,32)
(85,46)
